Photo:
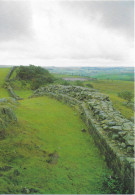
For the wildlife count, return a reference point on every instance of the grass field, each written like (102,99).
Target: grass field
(46,152)
(3,74)
(24,93)
(116,76)
(45,127)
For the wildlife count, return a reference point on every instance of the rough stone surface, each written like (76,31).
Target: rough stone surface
(112,133)
(9,100)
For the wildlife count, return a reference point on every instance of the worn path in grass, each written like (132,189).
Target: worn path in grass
(77,166)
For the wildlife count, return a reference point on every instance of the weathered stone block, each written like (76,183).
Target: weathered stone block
(115,128)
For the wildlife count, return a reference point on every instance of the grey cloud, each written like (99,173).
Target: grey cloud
(53,36)
(15,18)
(79,56)
(118,15)
(112,56)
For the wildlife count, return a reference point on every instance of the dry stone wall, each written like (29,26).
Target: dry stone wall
(8,86)
(7,114)
(112,133)
(10,73)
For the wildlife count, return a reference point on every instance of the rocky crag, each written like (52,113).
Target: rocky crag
(112,133)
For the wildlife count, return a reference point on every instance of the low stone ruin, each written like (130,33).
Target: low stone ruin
(8,86)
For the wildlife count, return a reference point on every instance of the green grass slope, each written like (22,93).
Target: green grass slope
(23,93)
(46,152)
(116,76)
(3,74)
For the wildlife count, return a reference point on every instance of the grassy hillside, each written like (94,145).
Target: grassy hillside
(3,74)
(48,153)
(113,87)
(116,76)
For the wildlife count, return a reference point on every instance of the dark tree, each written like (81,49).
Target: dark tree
(126,95)
(37,75)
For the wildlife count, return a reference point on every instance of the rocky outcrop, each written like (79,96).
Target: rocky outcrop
(113,134)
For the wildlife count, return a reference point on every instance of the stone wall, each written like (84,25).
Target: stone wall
(10,73)
(8,86)
(112,133)
(7,114)
(12,93)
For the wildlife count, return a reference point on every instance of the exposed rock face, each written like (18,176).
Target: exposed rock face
(111,131)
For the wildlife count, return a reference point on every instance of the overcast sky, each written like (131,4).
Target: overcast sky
(66,33)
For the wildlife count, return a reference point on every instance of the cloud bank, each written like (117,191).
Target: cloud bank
(67,33)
